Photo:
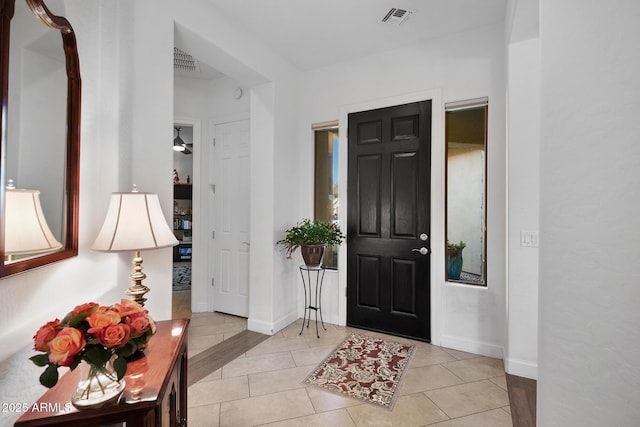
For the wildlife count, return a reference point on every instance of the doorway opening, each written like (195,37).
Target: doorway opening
(182,217)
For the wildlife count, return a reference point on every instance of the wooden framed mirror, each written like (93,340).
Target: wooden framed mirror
(40,131)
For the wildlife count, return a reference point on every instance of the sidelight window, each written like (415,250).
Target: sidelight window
(466,191)
(326,181)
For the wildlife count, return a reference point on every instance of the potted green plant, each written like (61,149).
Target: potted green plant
(311,237)
(454,259)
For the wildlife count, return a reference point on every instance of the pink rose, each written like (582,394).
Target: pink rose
(139,323)
(45,334)
(101,319)
(114,336)
(127,308)
(65,345)
(86,308)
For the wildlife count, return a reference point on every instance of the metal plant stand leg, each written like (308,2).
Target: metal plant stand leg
(306,304)
(310,304)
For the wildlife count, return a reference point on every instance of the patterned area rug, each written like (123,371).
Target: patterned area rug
(365,368)
(181,277)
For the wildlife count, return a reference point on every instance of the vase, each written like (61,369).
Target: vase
(312,255)
(454,264)
(97,387)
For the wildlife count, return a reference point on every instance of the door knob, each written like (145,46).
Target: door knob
(422,250)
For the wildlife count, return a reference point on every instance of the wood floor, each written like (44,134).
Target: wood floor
(522,396)
(214,358)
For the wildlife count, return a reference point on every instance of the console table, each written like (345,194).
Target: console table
(155,394)
(312,303)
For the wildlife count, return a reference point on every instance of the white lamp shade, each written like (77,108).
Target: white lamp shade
(26,228)
(134,222)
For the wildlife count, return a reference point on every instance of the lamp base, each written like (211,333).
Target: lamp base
(137,290)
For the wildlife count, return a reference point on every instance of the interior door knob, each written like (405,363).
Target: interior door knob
(422,250)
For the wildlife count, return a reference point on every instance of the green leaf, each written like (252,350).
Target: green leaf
(40,359)
(120,366)
(311,233)
(127,350)
(97,356)
(74,321)
(49,377)
(74,363)
(92,340)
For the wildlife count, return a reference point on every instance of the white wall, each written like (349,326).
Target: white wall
(272,84)
(127,111)
(463,66)
(30,299)
(524,206)
(465,204)
(204,99)
(589,340)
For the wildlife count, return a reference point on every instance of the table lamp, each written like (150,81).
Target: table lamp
(134,222)
(26,229)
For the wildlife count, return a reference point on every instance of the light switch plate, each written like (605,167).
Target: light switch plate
(529,238)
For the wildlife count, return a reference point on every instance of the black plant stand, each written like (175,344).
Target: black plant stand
(311,303)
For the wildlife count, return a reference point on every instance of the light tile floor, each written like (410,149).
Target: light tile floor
(442,387)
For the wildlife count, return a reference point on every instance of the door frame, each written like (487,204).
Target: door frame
(198,265)
(437,197)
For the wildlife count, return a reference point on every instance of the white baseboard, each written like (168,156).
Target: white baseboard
(269,328)
(200,307)
(285,321)
(475,347)
(260,326)
(521,368)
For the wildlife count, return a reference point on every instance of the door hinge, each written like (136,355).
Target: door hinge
(213,234)
(213,281)
(214,142)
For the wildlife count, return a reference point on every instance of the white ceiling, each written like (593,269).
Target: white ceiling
(313,33)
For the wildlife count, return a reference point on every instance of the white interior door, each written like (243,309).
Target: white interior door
(231,241)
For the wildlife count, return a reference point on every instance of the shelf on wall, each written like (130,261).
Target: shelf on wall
(182,191)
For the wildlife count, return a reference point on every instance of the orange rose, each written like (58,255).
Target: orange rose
(140,323)
(101,319)
(114,336)
(127,308)
(86,308)
(45,334)
(65,345)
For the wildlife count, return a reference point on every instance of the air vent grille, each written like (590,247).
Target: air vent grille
(396,16)
(183,61)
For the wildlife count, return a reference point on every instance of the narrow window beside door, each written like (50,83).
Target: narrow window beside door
(466,191)
(326,181)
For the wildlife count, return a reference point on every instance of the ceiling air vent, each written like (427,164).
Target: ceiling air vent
(183,61)
(396,16)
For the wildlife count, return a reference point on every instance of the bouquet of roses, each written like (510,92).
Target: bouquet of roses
(95,334)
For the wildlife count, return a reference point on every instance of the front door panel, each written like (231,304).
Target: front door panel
(388,210)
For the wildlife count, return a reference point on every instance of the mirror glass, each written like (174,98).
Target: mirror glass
(40,140)
(466,191)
